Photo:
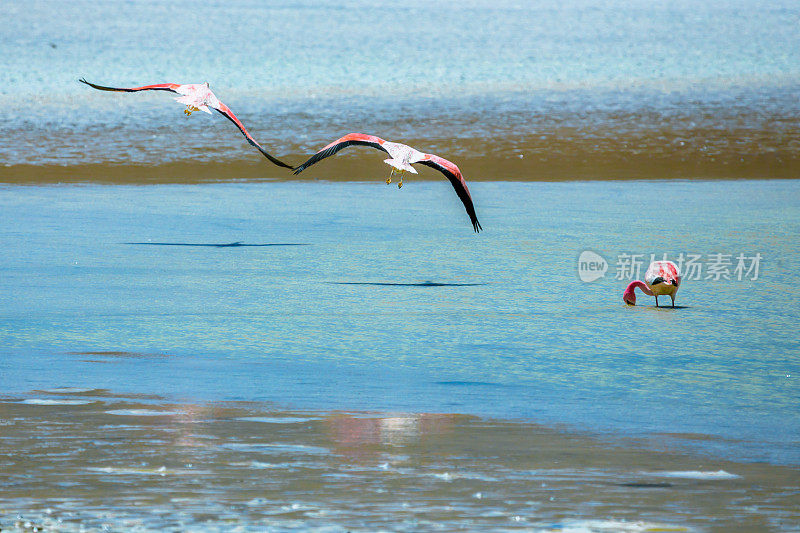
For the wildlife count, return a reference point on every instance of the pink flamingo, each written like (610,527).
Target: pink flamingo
(662,277)
(401,158)
(196,97)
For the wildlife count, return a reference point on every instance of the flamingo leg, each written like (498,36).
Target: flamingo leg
(389,179)
(656,300)
(673,300)
(400,184)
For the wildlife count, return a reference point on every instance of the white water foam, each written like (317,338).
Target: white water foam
(67,390)
(141,412)
(695,474)
(276,419)
(51,401)
(276,448)
(154,471)
(450,476)
(609,526)
(260,465)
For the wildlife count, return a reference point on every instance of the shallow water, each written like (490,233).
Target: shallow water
(414,47)
(341,296)
(118,463)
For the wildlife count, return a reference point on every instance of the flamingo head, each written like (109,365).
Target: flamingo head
(629,296)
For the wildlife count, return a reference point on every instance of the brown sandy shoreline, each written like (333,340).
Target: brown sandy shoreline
(368,166)
(749,137)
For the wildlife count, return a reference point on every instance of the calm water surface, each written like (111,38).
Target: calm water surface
(307,300)
(363,296)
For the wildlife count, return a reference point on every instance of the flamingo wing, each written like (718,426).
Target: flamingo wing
(452,172)
(171,87)
(227,113)
(359,139)
(222,108)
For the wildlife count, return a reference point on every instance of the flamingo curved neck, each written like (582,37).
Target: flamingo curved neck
(641,285)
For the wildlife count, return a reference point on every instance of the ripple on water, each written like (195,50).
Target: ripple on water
(608,526)
(450,476)
(276,419)
(276,448)
(260,465)
(695,474)
(145,471)
(68,390)
(52,401)
(141,412)
(160,471)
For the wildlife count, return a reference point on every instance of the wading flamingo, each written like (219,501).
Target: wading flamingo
(196,97)
(401,158)
(662,277)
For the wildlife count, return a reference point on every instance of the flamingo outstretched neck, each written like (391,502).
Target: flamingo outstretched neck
(630,295)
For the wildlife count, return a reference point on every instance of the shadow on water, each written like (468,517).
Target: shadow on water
(120,354)
(646,485)
(392,284)
(660,307)
(217,245)
(469,384)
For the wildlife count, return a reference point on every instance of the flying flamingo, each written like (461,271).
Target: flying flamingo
(196,97)
(662,277)
(401,158)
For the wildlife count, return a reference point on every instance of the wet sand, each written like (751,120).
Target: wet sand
(554,162)
(77,459)
(368,297)
(535,136)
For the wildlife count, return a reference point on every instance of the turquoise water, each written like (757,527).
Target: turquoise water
(363,296)
(360,47)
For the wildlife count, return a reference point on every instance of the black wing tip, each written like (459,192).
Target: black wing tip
(272,159)
(476,226)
